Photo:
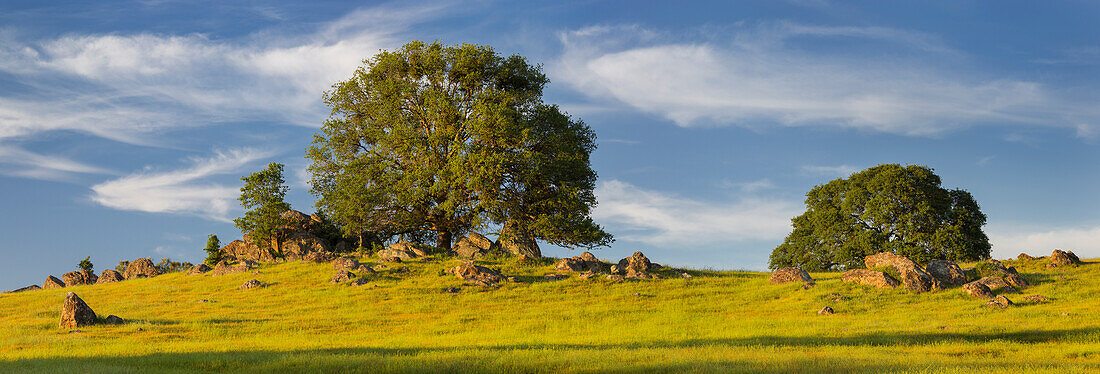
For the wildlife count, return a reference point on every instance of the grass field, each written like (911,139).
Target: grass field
(714,322)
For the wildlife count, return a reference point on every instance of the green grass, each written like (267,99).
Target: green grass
(714,322)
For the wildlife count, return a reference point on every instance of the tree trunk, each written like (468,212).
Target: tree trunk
(443,240)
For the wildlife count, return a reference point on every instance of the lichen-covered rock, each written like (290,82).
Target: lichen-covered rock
(363,269)
(199,269)
(825,311)
(109,276)
(1036,299)
(1000,301)
(52,282)
(474,245)
(586,262)
(75,313)
(1063,258)
(33,287)
(636,266)
(790,274)
(912,276)
(345,263)
(996,283)
(869,278)
(587,275)
(342,276)
(318,257)
(298,244)
(252,283)
(478,275)
(246,250)
(401,250)
(978,289)
(224,267)
(141,268)
(359,282)
(1015,280)
(79,278)
(518,241)
(947,272)
(616,278)
(113,320)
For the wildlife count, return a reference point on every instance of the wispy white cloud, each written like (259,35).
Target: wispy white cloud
(660,218)
(1011,240)
(182,191)
(837,171)
(767,75)
(19,162)
(750,187)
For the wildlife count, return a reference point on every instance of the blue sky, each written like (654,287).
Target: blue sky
(126,125)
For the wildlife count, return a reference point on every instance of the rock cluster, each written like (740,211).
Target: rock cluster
(787,275)
(402,251)
(586,262)
(1063,258)
(301,236)
(636,266)
(475,274)
(474,245)
(913,277)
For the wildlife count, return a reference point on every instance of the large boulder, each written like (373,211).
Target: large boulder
(52,282)
(996,283)
(787,275)
(947,272)
(75,313)
(402,250)
(1005,276)
(140,268)
(79,278)
(298,244)
(475,274)
(586,262)
(109,276)
(912,276)
(199,269)
(246,250)
(636,266)
(978,289)
(1063,258)
(869,278)
(519,242)
(474,245)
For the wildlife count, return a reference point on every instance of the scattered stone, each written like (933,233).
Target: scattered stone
(390,259)
(317,257)
(1024,257)
(199,269)
(978,289)
(33,287)
(364,269)
(585,262)
(555,277)
(109,276)
(402,250)
(825,311)
(635,294)
(252,283)
(947,272)
(474,245)
(113,320)
(1065,314)
(342,276)
(512,279)
(1063,258)
(1036,299)
(1015,280)
(75,313)
(475,274)
(359,282)
(616,278)
(913,277)
(869,278)
(685,276)
(999,301)
(836,297)
(452,290)
(78,278)
(379,267)
(995,284)
(587,275)
(141,267)
(224,267)
(52,282)
(204,301)
(345,263)
(791,274)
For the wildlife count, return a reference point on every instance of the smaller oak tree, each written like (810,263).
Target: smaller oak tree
(262,198)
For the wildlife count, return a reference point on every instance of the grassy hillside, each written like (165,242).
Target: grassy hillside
(715,322)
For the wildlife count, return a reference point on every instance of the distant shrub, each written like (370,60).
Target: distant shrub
(213,250)
(122,265)
(166,265)
(86,264)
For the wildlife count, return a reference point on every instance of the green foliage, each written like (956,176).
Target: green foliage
(166,265)
(86,264)
(213,250)
(886,208)
(262,198)
(890,271)
(445,139)
(122,265)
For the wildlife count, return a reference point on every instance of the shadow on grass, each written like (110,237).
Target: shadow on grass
(467,359)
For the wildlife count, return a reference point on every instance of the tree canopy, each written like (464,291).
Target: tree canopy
(262,197)
(886,208)
(448,138)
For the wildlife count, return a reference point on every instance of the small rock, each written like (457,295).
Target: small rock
(636,294)
(379,267)
(555,277)
(113,320)
(587,275)
(512,279)
(978,289)
(199,269)
(204,301)
(825,310)
(999,301)
(1036,299)
(1065,314)
(475,274)
(341,276)
(685,276)
(252,283)
(364,269)
(790,274)
(452,290)
(359,282)
(401,270)
(616,278)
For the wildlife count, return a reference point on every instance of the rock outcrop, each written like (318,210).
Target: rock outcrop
(402,250)
(947,272)
(474,245)
(75,313)
(978,289)
(586,262)
(52,282)
(141,268)
(636,266)
(869,278)
(109,276)
(1024,257)
(912,276)
(79,278)
(1063,258)
(475,274)
(787,275)
(199,269)
(224,267)
(33,287)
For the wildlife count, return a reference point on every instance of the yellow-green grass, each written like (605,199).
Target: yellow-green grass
(718,321)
